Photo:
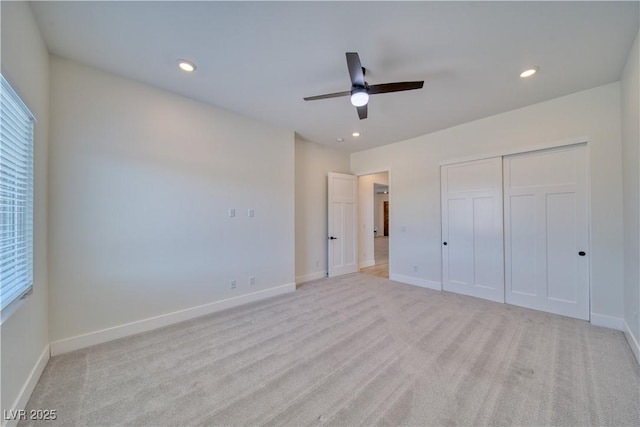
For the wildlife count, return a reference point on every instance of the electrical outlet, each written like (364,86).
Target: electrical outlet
(317,263)
(415,268)
(252,280)
(251,213)
(233,284)
(232,212)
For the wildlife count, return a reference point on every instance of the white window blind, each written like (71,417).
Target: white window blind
(16,197)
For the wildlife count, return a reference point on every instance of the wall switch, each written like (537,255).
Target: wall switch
(232,212)
(233,284)
(251,213)
(403,228)
(252,280)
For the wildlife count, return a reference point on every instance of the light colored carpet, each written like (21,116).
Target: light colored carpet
(356,350)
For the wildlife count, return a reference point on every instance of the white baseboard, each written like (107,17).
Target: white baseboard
(311,276)
(633,343)
(28,387)
(607,321)
(121,331)
(367,263)
(415,281)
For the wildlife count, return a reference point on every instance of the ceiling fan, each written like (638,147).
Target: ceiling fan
(360,89)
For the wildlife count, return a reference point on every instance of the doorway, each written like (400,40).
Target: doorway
(386,218)
(374,220)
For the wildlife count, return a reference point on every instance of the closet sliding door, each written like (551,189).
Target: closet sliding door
(472,229)
(547,231)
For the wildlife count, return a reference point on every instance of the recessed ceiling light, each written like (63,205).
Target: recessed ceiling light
(356,134)
(530,72)
(339,139)
(187,66)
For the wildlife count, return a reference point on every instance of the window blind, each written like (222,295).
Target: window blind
(16,197)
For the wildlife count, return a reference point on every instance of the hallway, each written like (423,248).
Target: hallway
(381,267)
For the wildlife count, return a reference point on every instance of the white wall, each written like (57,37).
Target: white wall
(25,65)
(631,194)
(313,162)
(416,182)
(141,181)
(366,220)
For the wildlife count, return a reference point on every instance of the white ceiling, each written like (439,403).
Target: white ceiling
(380,188)
(261,58)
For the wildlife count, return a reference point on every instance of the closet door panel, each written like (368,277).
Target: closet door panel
(547,231)
(472,233)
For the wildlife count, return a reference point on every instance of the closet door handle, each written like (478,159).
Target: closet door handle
(444,243)
(582,253)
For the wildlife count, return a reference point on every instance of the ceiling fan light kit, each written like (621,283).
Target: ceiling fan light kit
(360,89)
(359,97)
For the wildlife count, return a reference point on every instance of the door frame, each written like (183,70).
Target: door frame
(389,175)
(579,140)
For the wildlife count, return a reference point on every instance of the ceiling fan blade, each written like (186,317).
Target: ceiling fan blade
(355,69)
(394,87)
(329,95)
(362,112)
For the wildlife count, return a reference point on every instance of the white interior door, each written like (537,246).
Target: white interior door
(343,246)
(547,231)
(472,234)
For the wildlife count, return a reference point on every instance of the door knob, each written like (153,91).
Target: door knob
(582,253)
(333,238)
(444,243)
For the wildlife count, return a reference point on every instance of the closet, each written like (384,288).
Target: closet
(515,229)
